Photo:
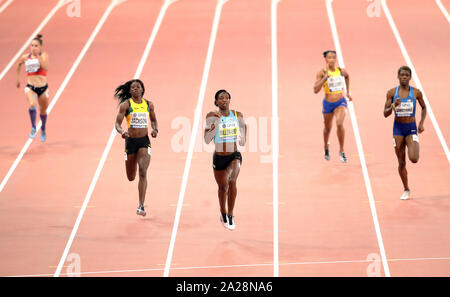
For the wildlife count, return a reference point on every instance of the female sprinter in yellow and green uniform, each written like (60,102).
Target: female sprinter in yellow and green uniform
(334,81)
(222,126)
(137,112)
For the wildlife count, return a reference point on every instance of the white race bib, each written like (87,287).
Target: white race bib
(32,65)
(228,130)
(138,120)
(405,109)
(335,83)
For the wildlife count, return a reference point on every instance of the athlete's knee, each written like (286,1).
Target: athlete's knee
(223,188)
(142,172)
(232,183)
(326,129)
(340,124)
(414,159)
(131,177)
(401,164)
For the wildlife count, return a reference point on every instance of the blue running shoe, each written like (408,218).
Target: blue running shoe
(33,133)
(43,135)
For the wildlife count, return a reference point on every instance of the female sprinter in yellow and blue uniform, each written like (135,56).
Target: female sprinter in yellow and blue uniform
(137,111)
(403,100)
(334,81)
(222,126)
(36,65)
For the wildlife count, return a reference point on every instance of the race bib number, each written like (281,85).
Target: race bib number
(228,131)
(405,109)
(335,83)
(32,65)
(138,120)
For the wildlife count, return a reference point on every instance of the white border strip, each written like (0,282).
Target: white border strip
(416,78)
(61,88)
(275,134)
(359,143)
(38,30)
(6,4)
(442,8)
(110,142)
(197,116)
(233,266)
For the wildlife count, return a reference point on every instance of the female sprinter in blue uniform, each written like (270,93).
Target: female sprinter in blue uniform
(137,111)
(36,65)
(402,100)
(333,80)
(222,126)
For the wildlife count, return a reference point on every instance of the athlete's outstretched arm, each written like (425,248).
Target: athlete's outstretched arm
(424,111)
(321,77)
(388,105)
(153,120)
(119,119)
(211,125)
(242,128)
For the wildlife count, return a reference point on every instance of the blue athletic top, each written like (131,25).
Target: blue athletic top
(227,129)
(407,107)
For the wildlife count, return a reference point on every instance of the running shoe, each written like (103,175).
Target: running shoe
(405,195)
(223,219)
(327,154)
(43,135)
(141,211)
(343,157)
(231,223)
(33,133)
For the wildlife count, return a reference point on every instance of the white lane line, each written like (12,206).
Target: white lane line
(109,144)
(359,143)
(197,117)
(416,78)
(444,11)
(60,4)
(6,4)
(275,134)
(236,266)
(60,90)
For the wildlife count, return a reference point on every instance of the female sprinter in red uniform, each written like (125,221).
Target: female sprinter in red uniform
(331,78)
(137,111)
(36,65)
(402,100)
(222,126)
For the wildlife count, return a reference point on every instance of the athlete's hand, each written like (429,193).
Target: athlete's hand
(125,135)
(18,84)
(420,128)
(349,97)
(325,74)
(154,133)
(397,102)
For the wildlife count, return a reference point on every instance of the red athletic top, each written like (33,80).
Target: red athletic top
(33,67)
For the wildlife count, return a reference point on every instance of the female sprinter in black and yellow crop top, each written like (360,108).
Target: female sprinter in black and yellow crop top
(137,111)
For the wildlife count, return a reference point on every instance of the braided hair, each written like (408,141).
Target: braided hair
(122,92)
(216,96)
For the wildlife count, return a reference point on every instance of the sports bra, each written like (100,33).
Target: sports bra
(227,129)
(407,107)
(335,82)
(33,67)
(138,114)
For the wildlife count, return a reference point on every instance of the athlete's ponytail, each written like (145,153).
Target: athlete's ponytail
(38,37)
(122,92)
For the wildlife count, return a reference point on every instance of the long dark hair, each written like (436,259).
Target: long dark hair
(122,92)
